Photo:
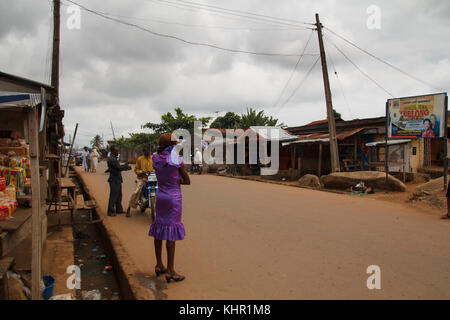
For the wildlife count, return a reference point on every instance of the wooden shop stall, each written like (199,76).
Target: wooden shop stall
(23,179)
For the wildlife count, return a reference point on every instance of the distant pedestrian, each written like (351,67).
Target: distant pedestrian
(115,182)
(88,159)
(84,158)
(94,159)
(170,172)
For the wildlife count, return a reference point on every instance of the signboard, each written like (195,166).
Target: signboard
(417,117)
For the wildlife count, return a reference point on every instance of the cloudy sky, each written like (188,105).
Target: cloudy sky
(119,73)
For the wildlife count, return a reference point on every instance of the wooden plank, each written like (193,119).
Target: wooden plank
(90,204)
(80,201)
(65,183)
(5,264)
(10,240)
(36,253)
(19,218)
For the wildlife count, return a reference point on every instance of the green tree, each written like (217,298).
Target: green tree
(337,115)
(252,118)
(170,123)
(230,120)
(97,141)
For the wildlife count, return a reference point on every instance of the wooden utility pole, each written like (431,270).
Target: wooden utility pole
(335,167)
(55,55)
(71,148)
(36,218)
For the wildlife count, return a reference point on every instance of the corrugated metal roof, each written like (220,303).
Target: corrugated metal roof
(280,134)
(390,142)
(323,137)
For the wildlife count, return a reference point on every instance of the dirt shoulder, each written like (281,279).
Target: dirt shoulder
(433,204)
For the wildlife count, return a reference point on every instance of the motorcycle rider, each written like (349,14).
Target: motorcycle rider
(143,164)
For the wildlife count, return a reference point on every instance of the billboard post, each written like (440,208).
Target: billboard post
(446,144)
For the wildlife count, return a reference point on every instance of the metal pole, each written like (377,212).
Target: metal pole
(335,167)
(112,129)
(70,152)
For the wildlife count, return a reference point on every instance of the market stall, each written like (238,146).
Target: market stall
(22,117)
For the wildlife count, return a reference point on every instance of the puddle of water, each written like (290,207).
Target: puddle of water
(156,284)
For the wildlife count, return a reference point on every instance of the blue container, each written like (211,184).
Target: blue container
(49,281)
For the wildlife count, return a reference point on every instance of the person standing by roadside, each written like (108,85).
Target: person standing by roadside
(94,159)
(84,156)
(115,182)
(143,164)
(170,172)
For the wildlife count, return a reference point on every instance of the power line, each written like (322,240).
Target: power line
(293,71)
(383,61)
(181,39)
(242,12)
(359,69)
(340,84)
(280,28)
(298,87)
(227,15)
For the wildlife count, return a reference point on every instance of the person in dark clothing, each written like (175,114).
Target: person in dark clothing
(115,182)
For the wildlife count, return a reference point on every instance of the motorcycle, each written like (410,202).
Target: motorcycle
(147,198)
(195,167)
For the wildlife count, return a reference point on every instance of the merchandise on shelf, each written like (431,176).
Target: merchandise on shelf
(20,151)
(8,205)
(10,192)
(2,184)
(7,209)
(15,177)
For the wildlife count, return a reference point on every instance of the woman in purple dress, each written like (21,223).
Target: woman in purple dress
(170,172)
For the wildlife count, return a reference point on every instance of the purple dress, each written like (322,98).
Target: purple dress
(168,225)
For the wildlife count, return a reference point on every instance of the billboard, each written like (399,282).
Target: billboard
(417,117)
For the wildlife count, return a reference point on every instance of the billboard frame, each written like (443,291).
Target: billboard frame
(388,123)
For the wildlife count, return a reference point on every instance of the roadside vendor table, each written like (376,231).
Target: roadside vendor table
(71,197)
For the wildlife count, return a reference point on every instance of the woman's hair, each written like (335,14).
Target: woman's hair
(165,140)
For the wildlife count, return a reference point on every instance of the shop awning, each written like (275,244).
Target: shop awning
(323,137)
(390,142)
(19,100)
(18,85)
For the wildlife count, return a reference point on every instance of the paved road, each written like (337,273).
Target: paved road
(253,240)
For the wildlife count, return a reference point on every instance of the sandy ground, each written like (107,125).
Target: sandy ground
(253,240)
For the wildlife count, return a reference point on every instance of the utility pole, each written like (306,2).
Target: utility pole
(55,55)
(112,129)
(335,167)
(71,148)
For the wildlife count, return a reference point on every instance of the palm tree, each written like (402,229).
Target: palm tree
(251,118)
(97,141)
